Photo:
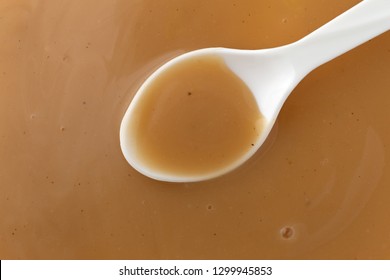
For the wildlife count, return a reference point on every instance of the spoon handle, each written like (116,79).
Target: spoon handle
(356,26)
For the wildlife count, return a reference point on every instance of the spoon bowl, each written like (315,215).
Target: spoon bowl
(271,74)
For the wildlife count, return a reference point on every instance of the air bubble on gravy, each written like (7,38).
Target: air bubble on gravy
(287,232)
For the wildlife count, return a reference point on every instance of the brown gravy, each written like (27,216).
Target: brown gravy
(318,189)
(195,119)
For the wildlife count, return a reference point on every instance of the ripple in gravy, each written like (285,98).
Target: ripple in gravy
(194,119)
(317,189)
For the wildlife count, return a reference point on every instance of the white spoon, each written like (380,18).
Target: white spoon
(271,74)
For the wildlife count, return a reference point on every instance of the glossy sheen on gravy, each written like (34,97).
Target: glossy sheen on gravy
(319,188)
(196,118)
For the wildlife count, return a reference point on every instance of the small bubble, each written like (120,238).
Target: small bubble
(287,232)
(210,207)
(33,116)
(62,128)
(284,20)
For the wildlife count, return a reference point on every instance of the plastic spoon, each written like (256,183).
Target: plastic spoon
(271,74)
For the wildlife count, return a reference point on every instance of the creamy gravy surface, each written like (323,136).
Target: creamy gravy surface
(318,188)
(194,119)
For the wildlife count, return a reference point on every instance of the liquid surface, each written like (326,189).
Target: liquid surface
(319,188)
(196,118)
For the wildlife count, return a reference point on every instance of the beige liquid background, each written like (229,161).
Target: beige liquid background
(68,71)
